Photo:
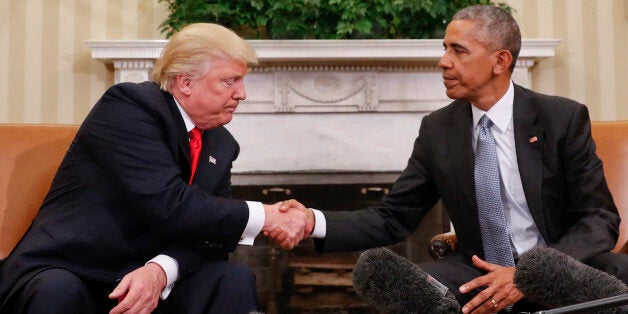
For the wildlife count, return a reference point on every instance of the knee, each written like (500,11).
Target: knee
(55,284)
(55,291)
(237,276)
(612,263)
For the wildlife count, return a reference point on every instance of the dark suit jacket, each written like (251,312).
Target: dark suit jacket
(562,178)
(120,195)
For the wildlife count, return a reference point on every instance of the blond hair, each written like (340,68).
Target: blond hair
(190,51)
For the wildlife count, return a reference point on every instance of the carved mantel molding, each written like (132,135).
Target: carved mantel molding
(303,50)
(132,57)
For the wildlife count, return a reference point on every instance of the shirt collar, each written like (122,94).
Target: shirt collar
(189,125)
(501,113)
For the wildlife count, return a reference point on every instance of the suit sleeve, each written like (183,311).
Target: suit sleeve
(595,225)
(395,217)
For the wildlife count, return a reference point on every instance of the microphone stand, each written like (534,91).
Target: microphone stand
(587,307)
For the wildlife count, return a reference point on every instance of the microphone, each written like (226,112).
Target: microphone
(554,280)
(393,284)
(588,307)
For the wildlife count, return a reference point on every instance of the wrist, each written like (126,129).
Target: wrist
(159,272)
(267,218)
(311,220)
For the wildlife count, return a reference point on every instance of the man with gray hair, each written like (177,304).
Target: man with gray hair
(139,217)
(515,170)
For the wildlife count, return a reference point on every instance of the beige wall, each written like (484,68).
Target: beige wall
(590,65)
(46,71)
(48,76)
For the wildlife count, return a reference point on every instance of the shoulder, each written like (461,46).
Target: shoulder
(548,109)
(450,114)
(545,102)
(130,97)
(134,105)
(454,107)
(135,90)
(221,134)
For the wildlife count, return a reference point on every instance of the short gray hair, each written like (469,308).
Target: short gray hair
(497,29)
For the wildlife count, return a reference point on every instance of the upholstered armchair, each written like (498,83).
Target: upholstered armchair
(31,154)
(611,139)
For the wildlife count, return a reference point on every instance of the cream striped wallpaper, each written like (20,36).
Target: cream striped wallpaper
(46,71)
(590,65)
(48,76)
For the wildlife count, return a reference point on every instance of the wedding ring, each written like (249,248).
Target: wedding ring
(494,303)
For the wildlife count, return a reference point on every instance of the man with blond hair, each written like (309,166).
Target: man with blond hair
(139,216)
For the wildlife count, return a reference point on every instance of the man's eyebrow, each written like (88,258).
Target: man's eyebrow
(456,46)
(233,76)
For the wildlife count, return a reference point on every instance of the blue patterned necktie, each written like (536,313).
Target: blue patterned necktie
(495,237)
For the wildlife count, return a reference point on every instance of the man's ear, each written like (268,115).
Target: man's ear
(504,59)
(184,84)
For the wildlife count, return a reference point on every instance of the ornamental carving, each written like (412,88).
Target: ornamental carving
(325,91)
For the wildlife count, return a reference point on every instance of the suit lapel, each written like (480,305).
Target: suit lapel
(207,154)
(459,143)
(529,145)
(182,137)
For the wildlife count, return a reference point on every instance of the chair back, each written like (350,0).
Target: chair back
(31,154)
(611,140)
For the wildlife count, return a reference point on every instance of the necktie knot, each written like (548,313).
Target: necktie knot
(195,134)
(485,122)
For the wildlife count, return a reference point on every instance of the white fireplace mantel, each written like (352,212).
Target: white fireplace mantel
(327,106)
(133,59)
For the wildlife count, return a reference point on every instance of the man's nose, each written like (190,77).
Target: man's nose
(445,62)
(240,94)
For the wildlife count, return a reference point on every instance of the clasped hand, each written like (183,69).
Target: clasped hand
(287,223)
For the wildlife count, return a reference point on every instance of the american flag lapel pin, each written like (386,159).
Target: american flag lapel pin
(212,160)
(533,139)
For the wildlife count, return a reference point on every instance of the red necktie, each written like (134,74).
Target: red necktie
(195,150)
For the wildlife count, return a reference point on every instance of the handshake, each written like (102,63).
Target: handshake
(287,223)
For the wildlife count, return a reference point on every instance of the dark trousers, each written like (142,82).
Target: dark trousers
(454,270)
(214,287)
(615,264)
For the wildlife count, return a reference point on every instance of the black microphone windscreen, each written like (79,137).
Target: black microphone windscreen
(393,284)
(554,279)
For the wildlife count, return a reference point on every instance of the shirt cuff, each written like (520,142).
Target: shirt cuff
(320,224)
(254,226)
(171,268)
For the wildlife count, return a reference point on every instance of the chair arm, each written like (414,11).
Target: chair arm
(624,249)
(441,244)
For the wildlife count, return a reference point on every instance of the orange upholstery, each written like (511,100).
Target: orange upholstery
(611,139)
(31,154)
